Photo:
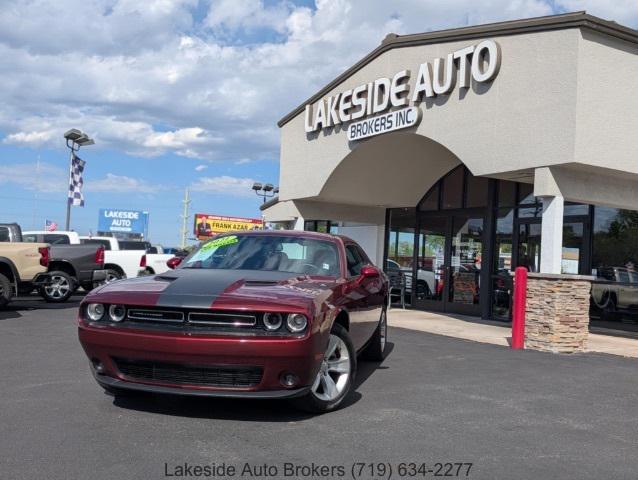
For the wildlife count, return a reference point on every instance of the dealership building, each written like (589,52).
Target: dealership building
(456,156)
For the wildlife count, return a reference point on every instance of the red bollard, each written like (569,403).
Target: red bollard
(518,315)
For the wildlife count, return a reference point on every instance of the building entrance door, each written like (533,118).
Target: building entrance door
(448,260)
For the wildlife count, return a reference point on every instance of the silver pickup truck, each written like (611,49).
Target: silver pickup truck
(615,290)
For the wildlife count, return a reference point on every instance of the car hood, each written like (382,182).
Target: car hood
(206,288)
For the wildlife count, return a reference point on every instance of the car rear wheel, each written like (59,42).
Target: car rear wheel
(335,377)
(111,276)
(5,291)
(60,289)
(375,350)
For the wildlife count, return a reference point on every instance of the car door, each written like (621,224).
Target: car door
(365,297)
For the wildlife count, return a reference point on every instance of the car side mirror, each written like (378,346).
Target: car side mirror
(370,271)
(172,263)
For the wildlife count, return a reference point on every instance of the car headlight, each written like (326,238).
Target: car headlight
(273,321)
(117,313)
(296,322)
(95,311)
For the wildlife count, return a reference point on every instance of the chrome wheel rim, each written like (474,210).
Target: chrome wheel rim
(383,330)
(110,277)
(334,372)
(58,288)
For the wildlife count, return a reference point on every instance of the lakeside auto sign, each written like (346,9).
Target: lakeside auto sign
(123,221)
(479,63)
(208,225)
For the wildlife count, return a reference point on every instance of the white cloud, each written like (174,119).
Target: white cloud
(38,176)
(150,78)
(225,185)
(201,168)
(121,184)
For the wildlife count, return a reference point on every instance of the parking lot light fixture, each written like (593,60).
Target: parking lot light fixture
(265,191)
(74,140)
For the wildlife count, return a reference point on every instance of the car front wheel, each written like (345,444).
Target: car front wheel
(335,377)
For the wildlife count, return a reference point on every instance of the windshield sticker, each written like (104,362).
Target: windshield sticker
(220,242)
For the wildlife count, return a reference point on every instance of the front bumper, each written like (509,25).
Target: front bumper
(276,356)
(106,382)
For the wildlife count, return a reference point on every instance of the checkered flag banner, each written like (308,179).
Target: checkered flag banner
(76,182)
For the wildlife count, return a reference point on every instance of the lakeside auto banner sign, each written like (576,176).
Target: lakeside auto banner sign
(208,225)
(122,221)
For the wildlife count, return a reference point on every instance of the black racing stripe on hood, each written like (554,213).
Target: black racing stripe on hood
(198,288)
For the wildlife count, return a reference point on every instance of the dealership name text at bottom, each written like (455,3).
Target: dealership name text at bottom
(355,470)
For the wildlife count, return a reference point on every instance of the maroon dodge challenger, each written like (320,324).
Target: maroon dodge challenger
(263,314)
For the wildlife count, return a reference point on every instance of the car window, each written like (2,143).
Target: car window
(354,259)
(267,252)
(4,234)
(92,241)
(31,238)
(133,245)
(54,239)
(623,275)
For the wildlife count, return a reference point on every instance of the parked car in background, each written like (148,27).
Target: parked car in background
(154,261)
(22,266)
(268,314)
(71,265)
(615,290)
(118,263)
(52,238)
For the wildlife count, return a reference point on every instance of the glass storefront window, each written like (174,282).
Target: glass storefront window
(476,191)
(400,259)
(526,194)
(506,193)
(466,260)
(431,201)
(453,189)
(504,240)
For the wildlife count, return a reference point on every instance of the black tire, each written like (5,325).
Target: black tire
(61,288)
(112,275)
(375,351)
(610,312)
(311,402)
(6,291)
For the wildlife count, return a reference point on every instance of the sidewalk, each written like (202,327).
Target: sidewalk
(477,330)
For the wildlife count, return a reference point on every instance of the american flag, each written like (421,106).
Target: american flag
(50,226)
(75,182)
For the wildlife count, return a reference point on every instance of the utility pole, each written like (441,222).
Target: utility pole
(184,232)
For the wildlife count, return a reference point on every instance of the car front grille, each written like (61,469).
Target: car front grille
(152,315)
(238,376)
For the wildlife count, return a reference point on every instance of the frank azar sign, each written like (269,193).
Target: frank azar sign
(480,62)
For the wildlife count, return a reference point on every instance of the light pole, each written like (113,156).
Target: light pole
(265,191)
(74,140)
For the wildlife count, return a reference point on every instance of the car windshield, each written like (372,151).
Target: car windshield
(267,252)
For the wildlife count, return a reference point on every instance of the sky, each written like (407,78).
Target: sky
(186,93)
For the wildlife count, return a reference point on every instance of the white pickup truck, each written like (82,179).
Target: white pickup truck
(119,262)
(130,258)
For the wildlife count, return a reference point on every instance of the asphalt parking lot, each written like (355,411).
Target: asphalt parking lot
(434,399)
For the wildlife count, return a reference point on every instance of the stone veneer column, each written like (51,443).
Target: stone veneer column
(557,318)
